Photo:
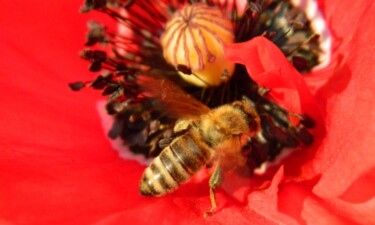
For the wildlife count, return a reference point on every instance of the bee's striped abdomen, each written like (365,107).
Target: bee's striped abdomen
(175,165)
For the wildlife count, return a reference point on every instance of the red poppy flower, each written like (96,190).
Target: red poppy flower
(57,166)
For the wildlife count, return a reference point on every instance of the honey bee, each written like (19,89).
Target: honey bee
(206,137)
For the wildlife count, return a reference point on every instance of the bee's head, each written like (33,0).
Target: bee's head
(253,119)
(223,123)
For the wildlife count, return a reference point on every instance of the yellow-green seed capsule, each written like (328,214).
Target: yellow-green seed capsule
(194,39)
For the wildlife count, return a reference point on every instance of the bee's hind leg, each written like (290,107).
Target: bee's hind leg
(214,182)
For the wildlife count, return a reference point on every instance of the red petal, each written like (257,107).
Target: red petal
(355,213)
(311,209)
(268,66)
(265,202)
(52,172)
(348,150)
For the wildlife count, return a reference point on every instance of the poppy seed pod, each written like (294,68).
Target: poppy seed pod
(194,38)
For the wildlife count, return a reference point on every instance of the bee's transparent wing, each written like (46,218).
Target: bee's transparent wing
(235,170)
(231,157)
(175,101)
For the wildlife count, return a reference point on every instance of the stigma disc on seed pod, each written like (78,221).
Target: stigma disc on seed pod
(194,40)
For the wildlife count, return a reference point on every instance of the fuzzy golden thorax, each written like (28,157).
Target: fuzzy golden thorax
(222,124)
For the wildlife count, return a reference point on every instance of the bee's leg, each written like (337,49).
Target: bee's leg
(214,182)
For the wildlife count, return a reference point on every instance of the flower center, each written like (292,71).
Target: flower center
(193,43)
(168,38)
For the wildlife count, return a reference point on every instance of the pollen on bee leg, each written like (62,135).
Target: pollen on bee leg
(194,39)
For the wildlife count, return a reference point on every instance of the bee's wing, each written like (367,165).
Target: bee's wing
(175,101)
(232,158)
(235,169)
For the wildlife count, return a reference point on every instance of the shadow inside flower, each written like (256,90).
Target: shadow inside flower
(361,190)
(296,193)
(339,77)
